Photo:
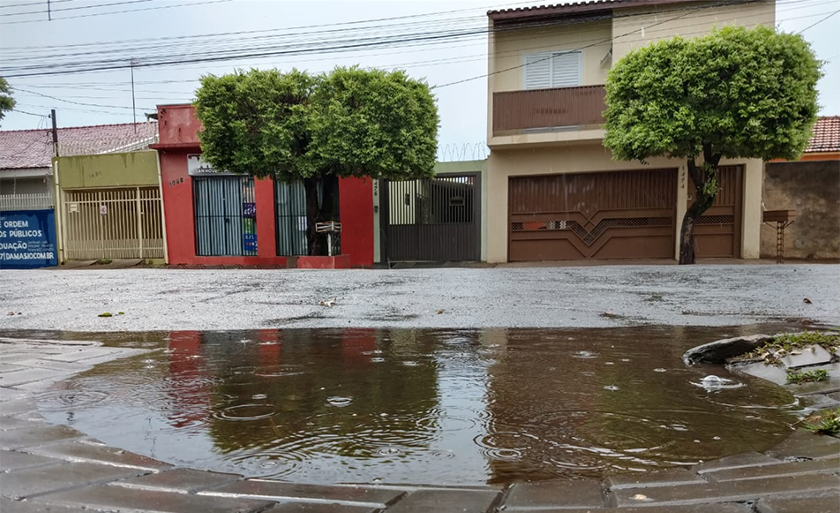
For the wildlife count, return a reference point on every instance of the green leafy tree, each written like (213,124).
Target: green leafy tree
(735,93)
(315,129)
(7,103)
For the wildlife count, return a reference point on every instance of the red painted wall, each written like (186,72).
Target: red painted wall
(178,125)
(178,128)
(355,198)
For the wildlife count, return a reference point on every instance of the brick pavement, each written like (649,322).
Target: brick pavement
(60,470)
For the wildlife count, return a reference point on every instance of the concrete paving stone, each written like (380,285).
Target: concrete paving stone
(11,379)
(10,394)
(126,500)
(309,507)
(803,443)
(811,355)
(45,384)
(279,491)
(695,508)
(42,363)
(179,480)
(40,480)
(86,353)
(828,466)
(14,460)
(566,494)
(422,501)
(91,453)
(728,491)
(7,423)
(747,459)
(10,506)
(775,373)
(670,477)
(25,437)
(826,504)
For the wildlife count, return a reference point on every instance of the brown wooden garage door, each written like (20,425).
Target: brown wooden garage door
(718,232)
(626,214)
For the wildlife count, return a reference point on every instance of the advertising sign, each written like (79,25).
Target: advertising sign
(197,167)
(27,239)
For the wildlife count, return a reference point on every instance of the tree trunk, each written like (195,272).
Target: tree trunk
(320,207)
(704,197)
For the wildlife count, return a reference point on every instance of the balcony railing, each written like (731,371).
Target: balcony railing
(564,107)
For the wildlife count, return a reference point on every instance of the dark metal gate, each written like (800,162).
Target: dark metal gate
(436,219)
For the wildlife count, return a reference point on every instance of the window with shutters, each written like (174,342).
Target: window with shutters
(548,70)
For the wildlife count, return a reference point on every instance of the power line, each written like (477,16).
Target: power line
(95,6)
(818,22)
(332,46)
(30,4)
(118,12)
(29,113)
(70,101)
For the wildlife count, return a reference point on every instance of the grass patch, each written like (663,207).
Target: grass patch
(104,261)
(826,422)
(784,344)
(811,376)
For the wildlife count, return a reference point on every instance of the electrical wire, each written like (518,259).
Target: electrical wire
(330,46)
(117,12)
(820,21)
(95,6)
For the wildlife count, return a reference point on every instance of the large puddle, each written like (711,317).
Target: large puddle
(422,406)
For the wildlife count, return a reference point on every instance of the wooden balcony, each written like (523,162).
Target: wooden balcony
(515,112)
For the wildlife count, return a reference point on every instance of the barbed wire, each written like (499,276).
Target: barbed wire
(462,152)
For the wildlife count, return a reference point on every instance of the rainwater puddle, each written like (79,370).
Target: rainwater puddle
(422,406)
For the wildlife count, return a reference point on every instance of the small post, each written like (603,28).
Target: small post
(54,132)
(133,106)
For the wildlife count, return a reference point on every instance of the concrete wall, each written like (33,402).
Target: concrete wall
(812,189)
(38,185)
(594,158)
(511,47)
(134,169)
(638,27)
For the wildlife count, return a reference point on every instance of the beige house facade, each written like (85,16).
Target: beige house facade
(554,192)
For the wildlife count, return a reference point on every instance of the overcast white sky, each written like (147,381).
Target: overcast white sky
(462,107)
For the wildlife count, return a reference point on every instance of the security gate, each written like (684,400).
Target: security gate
(434,219)
(112,223)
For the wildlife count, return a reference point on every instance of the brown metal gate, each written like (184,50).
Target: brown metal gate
(626,214)
(435,219)
(718,231)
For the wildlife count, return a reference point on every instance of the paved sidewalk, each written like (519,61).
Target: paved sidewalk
(45,467)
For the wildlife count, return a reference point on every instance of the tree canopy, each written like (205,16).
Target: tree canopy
(7,103)
(349,122)
(744,93)
(734,93)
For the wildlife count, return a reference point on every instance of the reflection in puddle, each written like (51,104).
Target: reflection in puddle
(422,406)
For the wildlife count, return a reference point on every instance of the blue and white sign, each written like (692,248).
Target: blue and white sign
(27,239)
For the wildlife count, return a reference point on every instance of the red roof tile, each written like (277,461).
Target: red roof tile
(21,149)
(825,135)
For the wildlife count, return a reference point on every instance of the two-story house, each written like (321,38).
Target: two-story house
(555,191)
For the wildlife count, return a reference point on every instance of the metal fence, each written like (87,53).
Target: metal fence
(113,223)
(225,216)
(290,205)
(436,220)
(41,201)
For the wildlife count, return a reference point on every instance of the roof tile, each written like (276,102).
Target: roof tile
(20,149)
(825,135)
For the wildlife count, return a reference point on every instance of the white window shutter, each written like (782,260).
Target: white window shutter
(538,71)
(565,69)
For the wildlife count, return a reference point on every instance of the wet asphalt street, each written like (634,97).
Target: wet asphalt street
(155,299)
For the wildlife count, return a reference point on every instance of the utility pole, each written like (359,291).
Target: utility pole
(133,107)
(54,132)
(49,11)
